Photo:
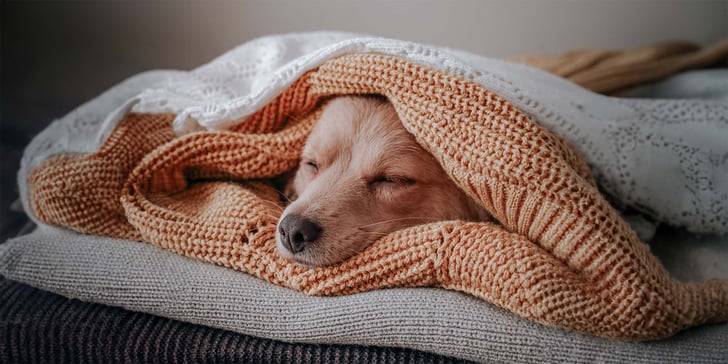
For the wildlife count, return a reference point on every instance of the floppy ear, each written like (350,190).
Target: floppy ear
(283,183)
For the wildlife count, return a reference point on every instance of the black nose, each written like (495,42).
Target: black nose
(297,231)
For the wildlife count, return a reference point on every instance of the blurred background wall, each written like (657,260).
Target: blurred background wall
(57,54)
(54,55)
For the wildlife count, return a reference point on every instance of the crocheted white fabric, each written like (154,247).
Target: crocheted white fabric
(665,158)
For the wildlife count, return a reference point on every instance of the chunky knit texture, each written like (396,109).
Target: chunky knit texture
(41,327)
(560,255)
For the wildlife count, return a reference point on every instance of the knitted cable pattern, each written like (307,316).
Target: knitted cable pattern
(560,254)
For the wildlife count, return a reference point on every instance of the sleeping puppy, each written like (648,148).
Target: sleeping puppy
(362,176)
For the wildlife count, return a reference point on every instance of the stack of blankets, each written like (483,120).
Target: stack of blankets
(184,161)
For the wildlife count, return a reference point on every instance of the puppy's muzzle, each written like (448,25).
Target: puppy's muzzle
(297,231)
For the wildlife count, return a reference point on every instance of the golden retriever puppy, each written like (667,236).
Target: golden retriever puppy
(362,176)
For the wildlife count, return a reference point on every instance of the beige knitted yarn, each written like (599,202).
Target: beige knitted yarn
(560,255)
(614,71)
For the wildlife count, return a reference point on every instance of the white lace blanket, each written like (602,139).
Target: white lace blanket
(666,158)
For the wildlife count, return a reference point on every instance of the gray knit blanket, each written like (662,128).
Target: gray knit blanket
(140,277)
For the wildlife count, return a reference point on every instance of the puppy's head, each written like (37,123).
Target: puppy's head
(362,176)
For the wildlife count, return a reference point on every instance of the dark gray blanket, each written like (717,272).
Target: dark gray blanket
(40,327)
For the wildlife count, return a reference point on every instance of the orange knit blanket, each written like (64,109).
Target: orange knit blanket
(560,255)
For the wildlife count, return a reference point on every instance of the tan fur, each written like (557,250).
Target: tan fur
(362,176)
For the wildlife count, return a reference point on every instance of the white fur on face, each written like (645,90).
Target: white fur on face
(362,176)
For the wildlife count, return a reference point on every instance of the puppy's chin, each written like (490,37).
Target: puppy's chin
(308,259)
(303,260)
(318,255)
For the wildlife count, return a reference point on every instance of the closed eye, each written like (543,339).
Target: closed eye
(311,165)
(390,181)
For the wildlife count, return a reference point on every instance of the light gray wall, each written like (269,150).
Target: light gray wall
(187,33)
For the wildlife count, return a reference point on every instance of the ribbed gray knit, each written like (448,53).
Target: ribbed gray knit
(141,277)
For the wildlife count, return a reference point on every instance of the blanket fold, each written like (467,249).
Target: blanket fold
(61,330)
(560,255)
(612,72)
